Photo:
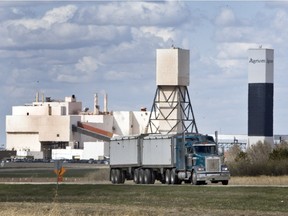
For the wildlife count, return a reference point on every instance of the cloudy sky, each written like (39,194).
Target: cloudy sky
(78,47)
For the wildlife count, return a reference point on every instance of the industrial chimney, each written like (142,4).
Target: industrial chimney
(96,105)
(105,103)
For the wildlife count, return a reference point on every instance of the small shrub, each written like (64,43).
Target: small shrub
(280,152)
(259,153)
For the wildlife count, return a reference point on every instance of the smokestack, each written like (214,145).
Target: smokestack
(105,103)
(96,106)
(260,95)
(37,96)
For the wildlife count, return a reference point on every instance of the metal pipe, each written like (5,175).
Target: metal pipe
(96,105)
(105,103)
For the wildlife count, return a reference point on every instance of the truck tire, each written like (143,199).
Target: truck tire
(122,174)
(152,177)
(136,176)
(225,182)
(147,176)
(168,176)
(118,176)
(112,176)
(162,178)
(174,177)
(194,178)
(141,176)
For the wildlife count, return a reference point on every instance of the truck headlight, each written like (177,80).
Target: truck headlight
(200,168)
(224,168)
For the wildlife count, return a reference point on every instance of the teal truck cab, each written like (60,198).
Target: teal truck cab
(202,161)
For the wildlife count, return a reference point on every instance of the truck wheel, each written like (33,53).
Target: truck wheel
(122,174)
(147,176)
(225,182)
(112,176)
(117,176)
(174,177)
(168,176)
(152,177)
(194,178)
(136,176)
(141,176)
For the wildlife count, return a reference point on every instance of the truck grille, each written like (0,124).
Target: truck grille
(212,164)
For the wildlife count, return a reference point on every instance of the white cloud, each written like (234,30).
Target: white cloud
(135,13)
(68,78)
(87,65)
(121,75)
(280,21)
(225,18)
(234,33)
(164,33)
(56,15)
(60,35)
(234,50)
(60,15)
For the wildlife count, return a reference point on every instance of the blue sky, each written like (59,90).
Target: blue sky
(78,47)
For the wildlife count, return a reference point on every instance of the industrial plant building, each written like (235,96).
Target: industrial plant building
(40,128)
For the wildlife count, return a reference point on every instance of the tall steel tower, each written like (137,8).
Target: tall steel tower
(172,110)
(260,95)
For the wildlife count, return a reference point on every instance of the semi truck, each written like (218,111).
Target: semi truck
(171,159)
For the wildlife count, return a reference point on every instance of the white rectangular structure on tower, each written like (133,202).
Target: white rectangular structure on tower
(172,67)
(260,66)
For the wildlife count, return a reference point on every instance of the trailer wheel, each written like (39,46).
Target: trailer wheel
(141,176)
(112,176)
(118,175)
(152,177)
(174,177)
(136,176)
(122,174)
(168,176)
(225,182)
(147,176)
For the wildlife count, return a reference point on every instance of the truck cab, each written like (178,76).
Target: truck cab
(203,161)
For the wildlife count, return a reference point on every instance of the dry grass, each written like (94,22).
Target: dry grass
(259,180)
(99,175)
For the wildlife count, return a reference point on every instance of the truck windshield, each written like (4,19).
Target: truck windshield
(205,149)
(200,139)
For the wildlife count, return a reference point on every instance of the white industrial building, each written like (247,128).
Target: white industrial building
(43,126)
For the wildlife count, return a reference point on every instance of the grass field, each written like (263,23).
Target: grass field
(130,199)
(141,200)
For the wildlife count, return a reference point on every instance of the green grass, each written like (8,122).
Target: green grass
(258,199)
